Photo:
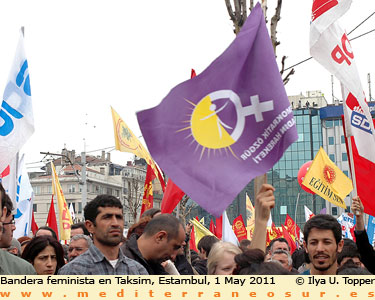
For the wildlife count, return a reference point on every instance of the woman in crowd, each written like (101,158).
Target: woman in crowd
(46,255)
(221,258)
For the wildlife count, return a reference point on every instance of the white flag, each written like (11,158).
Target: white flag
(228,233)
(269,222)
(24,201)
(16,114)
(330,46)
(71,210)
(308,213)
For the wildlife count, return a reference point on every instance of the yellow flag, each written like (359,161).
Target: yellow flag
(250,213)
(65,219)
(126,141)
(199,230)
(327,180)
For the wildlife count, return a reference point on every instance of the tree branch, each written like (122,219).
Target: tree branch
(264,8)
(274,21)
(230,10)
(287,77)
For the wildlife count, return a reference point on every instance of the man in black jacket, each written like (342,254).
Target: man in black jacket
(161,240)
(365,249)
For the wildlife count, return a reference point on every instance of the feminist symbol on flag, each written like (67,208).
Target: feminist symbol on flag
(209,122)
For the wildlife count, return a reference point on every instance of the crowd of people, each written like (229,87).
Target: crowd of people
(158,245)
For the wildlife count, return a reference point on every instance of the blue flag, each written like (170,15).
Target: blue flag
(214,133)
(371,229)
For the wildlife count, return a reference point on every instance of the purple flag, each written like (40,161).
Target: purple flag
(214,133)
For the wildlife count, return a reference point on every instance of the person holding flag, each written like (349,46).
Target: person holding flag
(365,249)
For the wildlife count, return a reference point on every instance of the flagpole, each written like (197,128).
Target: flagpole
(295,215)
(349,139)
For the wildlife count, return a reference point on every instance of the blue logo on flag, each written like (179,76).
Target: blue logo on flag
(360,121)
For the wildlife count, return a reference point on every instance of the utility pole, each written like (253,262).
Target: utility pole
(83,176)
(369,86)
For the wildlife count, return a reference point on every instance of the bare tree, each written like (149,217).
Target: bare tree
(184,211)
(238,15)
(133,199)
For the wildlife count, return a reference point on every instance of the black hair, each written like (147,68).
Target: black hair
(54,235)
(91,210)
(206,243)
(300,257)
(244,244)
(281,240)
(348,250)
(82,226)
(165,222)
(350,268)
(151,212)
(38,244)
(7,202)
(323,222)
(249,261)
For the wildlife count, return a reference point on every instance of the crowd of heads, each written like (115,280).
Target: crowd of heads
(158,241)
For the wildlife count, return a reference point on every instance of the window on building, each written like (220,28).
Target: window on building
(109,191)
(79,207)
(331,140)
(117,193)
(342,139)
(344,157)
(283,210)
(332,157)
(35,207)
(37,189)
(334,211)
(329,124)
(346,173)
(71,188)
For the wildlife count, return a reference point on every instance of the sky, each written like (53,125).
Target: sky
(85,56)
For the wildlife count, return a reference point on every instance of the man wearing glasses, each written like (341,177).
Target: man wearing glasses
(9,263)
(8,223)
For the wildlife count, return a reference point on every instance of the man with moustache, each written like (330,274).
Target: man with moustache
(105,222)
(322,242)
(9,263)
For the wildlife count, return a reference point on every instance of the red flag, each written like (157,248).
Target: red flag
(364,174)
(148,197)
(171,197)
(276,233)
(219,227)
(193,74)
(192,244)
(51,219)
(292,227)
(212,227)
(34,226)
(268,238)
(239,228)
(287,236)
